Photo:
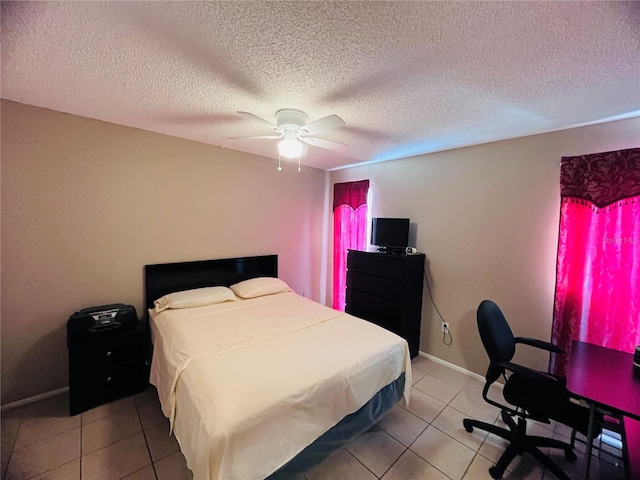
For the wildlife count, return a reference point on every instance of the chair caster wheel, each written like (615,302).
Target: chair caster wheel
(505,416)
(495,473)
(467,426)
(570,455)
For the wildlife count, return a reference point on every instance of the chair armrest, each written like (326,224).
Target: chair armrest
(533,342)
(525,371)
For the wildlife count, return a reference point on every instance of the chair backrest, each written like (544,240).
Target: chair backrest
(496,336)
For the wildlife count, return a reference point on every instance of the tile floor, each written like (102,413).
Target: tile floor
(128,439)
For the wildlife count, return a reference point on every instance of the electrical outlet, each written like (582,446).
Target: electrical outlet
(445,327)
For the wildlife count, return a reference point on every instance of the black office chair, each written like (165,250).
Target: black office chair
(530,393)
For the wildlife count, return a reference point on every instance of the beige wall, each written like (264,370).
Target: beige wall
(487,219)
(86,204)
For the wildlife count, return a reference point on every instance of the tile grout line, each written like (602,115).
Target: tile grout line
(406,448)
(13,445)
(114,442)
(421,457)
(471,463)
(394,462)
(429,424)
(146,442)
(360,462)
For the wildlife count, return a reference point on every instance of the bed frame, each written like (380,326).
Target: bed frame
(164,278)
(161,279)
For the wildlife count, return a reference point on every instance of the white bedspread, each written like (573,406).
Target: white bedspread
(247,385)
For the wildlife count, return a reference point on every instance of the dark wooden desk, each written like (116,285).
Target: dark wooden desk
(632,437)
(605,379)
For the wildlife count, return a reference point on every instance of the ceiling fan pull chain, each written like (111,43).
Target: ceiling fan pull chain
(299,162)
(279,167)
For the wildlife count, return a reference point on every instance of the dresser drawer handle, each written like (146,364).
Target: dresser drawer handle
(108,379)
(109,353)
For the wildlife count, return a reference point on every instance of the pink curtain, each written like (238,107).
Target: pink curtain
(598,265)
(349,231)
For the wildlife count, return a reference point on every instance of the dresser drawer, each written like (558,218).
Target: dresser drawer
(90,356)
(115,379)
(387,266)
(381,286)
(380,306)
(91,389)
(385,322)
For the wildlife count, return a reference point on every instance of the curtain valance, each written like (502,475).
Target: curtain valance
(601,179)
(353,194)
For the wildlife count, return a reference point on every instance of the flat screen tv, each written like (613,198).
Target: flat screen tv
(390,234)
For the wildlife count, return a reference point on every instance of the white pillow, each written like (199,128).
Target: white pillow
(195,298)
(257,287)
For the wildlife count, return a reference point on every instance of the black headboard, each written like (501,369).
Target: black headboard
(165,278)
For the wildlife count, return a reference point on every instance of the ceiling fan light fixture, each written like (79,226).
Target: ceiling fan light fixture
(294,131)
(290,148)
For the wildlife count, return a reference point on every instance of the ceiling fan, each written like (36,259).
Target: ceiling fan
(292,129)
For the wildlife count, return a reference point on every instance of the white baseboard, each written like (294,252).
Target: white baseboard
(34,399)
(452,366)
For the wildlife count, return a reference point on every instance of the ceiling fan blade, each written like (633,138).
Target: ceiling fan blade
(318,142)
(323,124)
(251,116)
(266,137)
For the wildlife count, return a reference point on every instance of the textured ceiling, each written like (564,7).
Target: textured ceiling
(407,77)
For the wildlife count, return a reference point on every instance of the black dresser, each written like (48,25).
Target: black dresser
(387,290)
(107,367)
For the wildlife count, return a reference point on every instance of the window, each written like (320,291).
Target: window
(598,264)
(350,220)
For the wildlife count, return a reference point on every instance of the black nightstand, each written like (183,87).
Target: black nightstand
(107,367)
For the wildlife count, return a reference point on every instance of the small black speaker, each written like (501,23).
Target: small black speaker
(636,359)
(94,321)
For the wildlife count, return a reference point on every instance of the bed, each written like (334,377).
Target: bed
(267,385)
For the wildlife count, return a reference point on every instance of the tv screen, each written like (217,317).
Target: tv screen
(390,232)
